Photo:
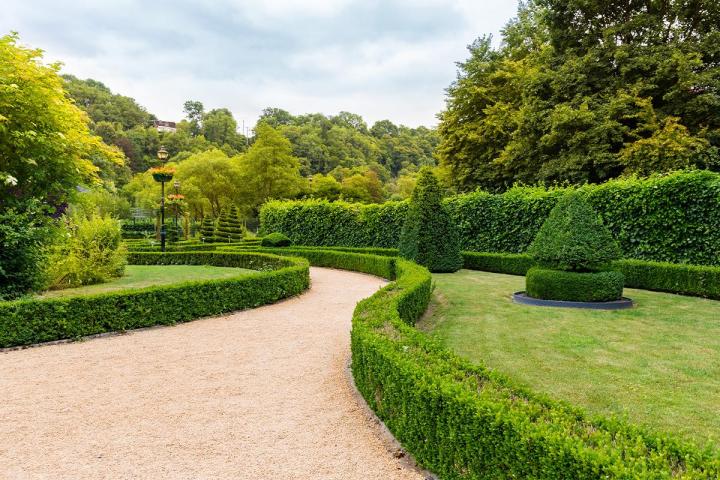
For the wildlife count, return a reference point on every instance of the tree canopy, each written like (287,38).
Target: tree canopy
(584,91)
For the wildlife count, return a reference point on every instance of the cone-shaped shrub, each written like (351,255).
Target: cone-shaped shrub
(573,238)
(230,228)
(207,230)
(428,236)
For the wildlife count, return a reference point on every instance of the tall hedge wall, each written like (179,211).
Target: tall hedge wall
(673,218)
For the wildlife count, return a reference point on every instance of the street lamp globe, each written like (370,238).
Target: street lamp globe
(162,154)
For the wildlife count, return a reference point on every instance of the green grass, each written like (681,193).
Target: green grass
(657,364)
(140,276)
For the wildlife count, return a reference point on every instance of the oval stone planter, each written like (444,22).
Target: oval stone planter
(522,298)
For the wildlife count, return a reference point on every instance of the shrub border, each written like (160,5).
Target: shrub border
(30,321)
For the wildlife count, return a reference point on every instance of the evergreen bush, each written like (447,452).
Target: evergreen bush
(573,238)
(230,228)
(428,236)
(207,230)
(276,240)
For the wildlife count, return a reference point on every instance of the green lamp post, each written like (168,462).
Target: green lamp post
(162,174)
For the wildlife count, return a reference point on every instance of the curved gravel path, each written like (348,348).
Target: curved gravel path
(260,394)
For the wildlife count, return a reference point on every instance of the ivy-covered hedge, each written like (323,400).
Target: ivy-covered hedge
(31,321)
(464,421)
(673,218)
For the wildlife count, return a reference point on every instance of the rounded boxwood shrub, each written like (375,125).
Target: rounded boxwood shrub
(428,236)
(574,286)
(573,238)
(276,240)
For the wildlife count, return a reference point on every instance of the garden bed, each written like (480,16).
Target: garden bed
(29,321)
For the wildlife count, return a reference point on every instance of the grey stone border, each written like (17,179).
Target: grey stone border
(523,299)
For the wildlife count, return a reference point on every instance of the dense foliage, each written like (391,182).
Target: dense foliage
(46,149)
(573,238)
(574,286)
(672,218)
(30,321)
(90,252)
(46,152)
(24,236)
(428,236)
(584,91)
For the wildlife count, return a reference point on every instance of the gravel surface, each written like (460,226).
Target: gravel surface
(260,394)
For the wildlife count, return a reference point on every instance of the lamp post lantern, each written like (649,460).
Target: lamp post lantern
(162,155)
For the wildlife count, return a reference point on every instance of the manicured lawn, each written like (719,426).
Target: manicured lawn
(139,276)
(657,364)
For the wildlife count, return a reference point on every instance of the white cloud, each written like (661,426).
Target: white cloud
(382,59)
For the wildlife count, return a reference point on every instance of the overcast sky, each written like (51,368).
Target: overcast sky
(379,58)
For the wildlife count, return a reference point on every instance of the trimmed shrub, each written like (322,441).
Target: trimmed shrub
(573,238)
(574,286)
(24,322)
(207,230)
(670,218)
(428,236)
(229,227)
(509,263)
(137,230)
(275,240)
(695,280)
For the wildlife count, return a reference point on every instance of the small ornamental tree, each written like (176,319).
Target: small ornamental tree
(207,229)
(230,228)
(428,236)
(572,249)
(573,238)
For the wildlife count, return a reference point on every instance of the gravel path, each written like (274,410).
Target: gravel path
(260,394)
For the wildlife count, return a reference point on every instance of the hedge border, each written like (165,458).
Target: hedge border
(30,321)
(464,421)
(692,280)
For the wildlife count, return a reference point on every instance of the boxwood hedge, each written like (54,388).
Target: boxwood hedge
(672,218)
(464,421)
(31,321)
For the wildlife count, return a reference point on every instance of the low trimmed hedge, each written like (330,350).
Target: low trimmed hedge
(464,421)
(692,280)
(548,284)
(25,322)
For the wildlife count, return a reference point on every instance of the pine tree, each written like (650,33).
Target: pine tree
(428,236)
(573,238)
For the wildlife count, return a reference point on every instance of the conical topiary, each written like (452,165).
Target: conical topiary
(230,228)
(207,230)
(573,238)
(428,236)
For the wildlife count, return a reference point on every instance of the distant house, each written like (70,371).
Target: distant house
(163,126)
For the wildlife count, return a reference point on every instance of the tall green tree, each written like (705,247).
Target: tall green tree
(269,169)
(580,90)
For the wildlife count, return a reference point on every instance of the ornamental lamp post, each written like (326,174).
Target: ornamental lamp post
(162,177)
